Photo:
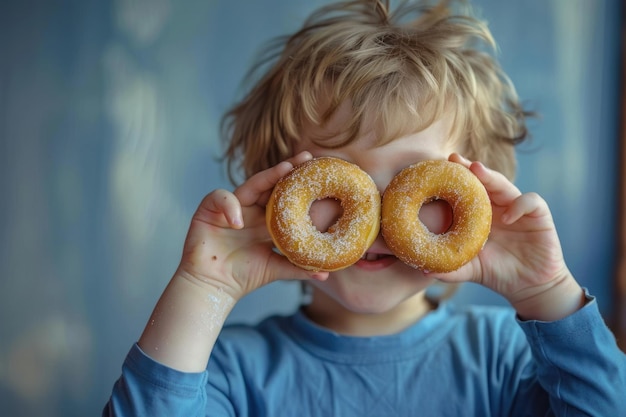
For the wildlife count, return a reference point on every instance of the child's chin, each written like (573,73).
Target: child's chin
(372,305)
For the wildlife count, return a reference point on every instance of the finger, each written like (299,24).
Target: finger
(300,158)
(220,208)
(470,272)
(283,269)
(459,159)
(256,189)
(529,204)
(502,192)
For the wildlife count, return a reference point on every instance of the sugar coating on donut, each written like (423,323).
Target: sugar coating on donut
(345,242)
(410,239)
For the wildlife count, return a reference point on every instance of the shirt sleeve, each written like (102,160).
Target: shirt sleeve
(148,388)
(579,364)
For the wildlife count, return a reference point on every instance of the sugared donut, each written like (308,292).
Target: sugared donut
(345,242)
(410,239)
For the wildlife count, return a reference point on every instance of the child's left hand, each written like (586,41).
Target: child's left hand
(522,259)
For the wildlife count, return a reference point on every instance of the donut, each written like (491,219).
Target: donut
(345,242)
(410,240)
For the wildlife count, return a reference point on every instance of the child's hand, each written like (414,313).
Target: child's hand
(522,259)
(228,246)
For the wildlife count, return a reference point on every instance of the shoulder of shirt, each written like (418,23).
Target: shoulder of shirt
(487,322)
(266,332)
(275,329)
(481,313)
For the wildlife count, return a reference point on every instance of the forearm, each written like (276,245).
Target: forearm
(185,324)
(579,363)
(552,301)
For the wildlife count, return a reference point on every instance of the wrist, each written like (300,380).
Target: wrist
(551,301)
(209,284)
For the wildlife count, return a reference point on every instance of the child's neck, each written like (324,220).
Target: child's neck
(326,312)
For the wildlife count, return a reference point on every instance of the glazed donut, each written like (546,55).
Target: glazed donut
(291,226)
(410,240)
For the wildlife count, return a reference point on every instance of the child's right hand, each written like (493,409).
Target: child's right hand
(228,246)
(228,253)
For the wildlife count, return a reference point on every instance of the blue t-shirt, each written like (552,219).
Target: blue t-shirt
(456,361)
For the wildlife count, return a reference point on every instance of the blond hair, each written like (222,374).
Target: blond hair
(405,67)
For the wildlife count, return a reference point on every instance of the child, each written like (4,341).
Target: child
(382,89)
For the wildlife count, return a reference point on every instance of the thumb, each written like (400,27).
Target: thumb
(281,269)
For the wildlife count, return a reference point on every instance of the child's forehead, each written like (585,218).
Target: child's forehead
(375,128)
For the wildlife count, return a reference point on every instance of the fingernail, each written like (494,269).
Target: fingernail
(286,165)
(238,222)
(319,276)
(464,159)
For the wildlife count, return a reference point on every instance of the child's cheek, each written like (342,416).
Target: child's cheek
(324,213)
(436,216)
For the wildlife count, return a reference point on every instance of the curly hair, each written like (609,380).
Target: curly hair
(403,68)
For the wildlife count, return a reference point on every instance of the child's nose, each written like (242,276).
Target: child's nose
(381,174)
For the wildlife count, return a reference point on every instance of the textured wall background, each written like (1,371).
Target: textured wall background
(108,140)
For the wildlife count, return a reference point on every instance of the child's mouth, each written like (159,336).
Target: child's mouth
(376,261)
(374,256)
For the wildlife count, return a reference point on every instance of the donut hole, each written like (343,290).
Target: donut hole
(325,212)
(436,215)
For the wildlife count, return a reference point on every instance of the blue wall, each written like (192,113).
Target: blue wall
(108,139)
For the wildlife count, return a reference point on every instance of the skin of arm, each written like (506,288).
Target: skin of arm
(223,261)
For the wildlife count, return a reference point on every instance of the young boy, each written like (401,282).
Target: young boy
(382,89)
